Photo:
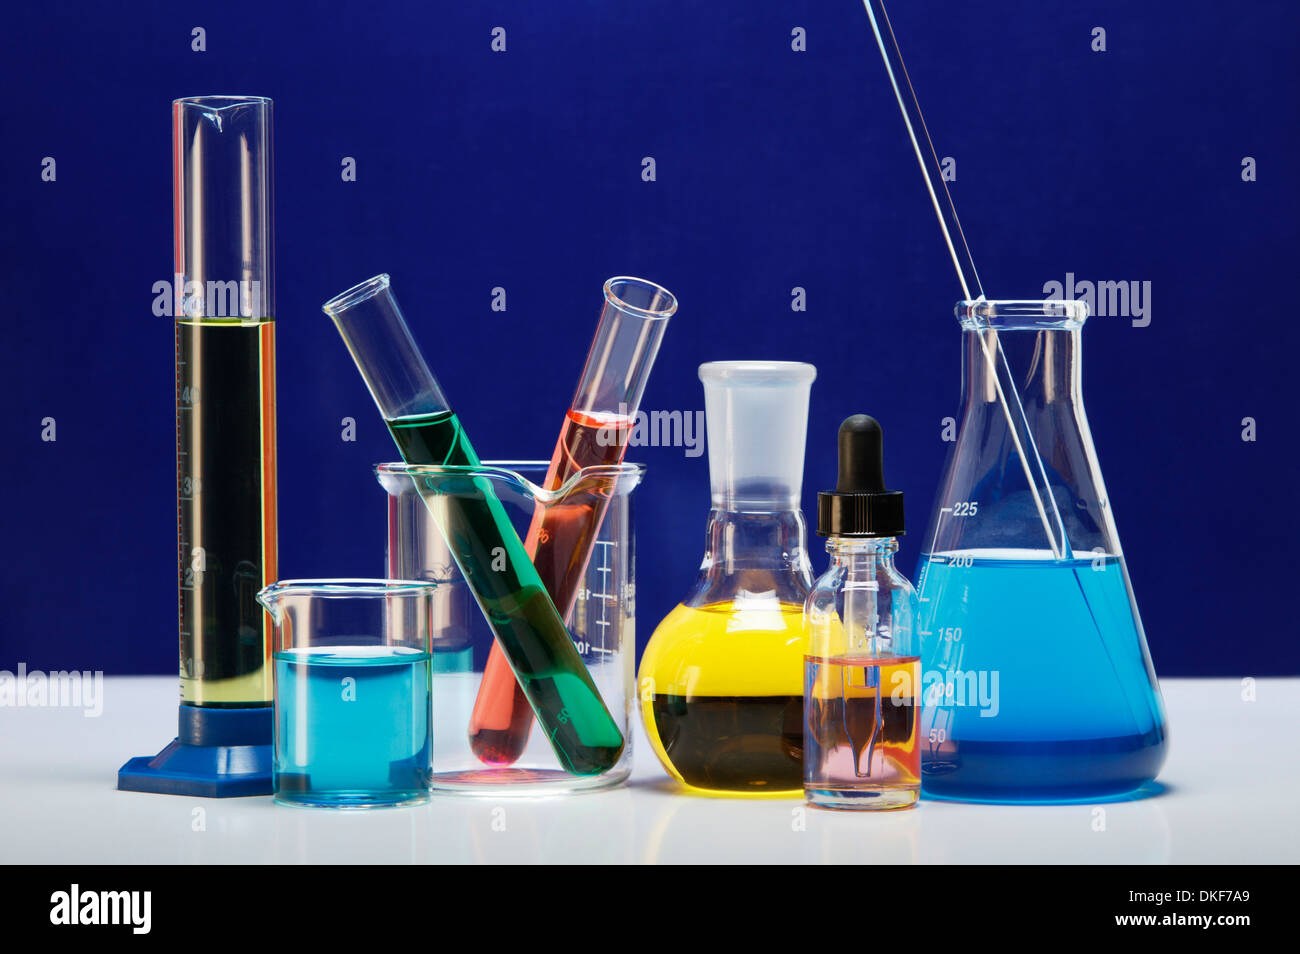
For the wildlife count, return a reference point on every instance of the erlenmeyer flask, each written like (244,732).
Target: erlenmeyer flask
(1037,682)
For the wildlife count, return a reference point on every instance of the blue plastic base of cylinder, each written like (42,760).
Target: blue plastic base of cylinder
(217,753)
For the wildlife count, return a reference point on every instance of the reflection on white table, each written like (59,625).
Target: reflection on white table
(1230,785)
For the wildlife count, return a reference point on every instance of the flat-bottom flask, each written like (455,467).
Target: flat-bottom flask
(726,709)
(721,680)
(1037,681)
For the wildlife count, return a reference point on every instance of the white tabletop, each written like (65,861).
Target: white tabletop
(1231,782)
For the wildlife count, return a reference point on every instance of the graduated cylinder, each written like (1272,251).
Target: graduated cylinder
(224,304)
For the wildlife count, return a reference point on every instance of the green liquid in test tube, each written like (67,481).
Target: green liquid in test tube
(513,599)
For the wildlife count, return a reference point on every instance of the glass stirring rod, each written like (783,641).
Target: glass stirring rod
(529,630)
(560,540)
(1022,437)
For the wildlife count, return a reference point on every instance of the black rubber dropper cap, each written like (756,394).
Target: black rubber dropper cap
(860,506)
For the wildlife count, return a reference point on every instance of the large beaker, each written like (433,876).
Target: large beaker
(601,623)
(1037,681)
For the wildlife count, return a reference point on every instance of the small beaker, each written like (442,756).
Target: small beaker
(351,668)
(601,622)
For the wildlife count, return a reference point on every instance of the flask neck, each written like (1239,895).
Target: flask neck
(756,416)
(752,554)
(1044,364)
(862,558)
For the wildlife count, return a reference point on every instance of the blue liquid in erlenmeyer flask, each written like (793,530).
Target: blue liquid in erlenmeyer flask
(352,726)
(1035,680)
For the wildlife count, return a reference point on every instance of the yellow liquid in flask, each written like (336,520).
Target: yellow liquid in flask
(722,697)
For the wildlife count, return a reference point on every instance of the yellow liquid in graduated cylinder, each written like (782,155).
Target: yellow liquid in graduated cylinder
(722,697)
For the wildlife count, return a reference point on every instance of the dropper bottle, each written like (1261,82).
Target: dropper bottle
(862,673)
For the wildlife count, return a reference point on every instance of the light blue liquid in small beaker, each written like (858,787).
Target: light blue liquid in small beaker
(1035,680)
(352,726)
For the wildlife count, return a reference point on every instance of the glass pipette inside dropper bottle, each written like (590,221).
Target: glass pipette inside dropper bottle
(514,601)
(595,432)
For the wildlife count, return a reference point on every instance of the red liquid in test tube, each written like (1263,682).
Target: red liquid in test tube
(560,541)
(562,536)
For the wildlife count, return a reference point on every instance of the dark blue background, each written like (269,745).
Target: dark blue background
(775,169)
